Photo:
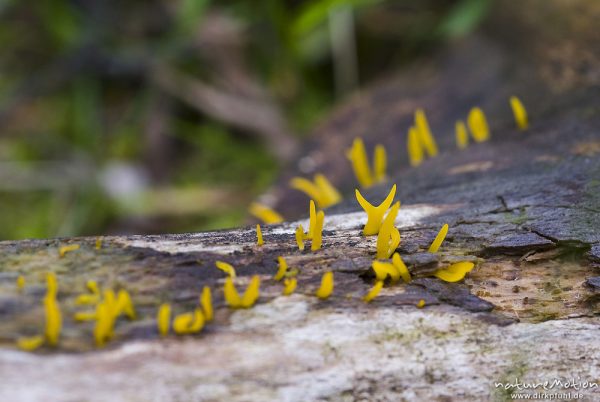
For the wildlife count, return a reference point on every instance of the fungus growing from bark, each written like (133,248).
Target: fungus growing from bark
(375,214)
(326,287)
(320,189)
(264,213)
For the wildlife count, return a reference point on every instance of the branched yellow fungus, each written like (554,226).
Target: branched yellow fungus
(425,136)
(519,112)
(85,316)
(289,285)
(225,267)
(478,125)
(232,297)
(320,189)
(259,237)
(326,287)
(281,270)
(379,164)
(300,237)
(454,272)
(206,304)
(163,319)
(401,267)
(373,292)
(20,283)
(188,323)
(437,242)
(375,214)
(413,145)
(65,249)
(388,237)
(384,269)
(30,343)
(124,305)
(421,303)
(462,136)
(264,213)
(252,293)
(360,163)
(317,240)
(98,244)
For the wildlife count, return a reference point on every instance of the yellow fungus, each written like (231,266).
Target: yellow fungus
(317,240)
(289,285)
(98,244)
(312,220)
(53,317)
(320,189)
(30,343)
(360,164)
(413,145)
(421,303)
(375,214)
(478,125)
(103,330)
(454,272)
(264,213)
(388,237)
(188,323)
(65,249)
(93,287)
(206,304)
(379,163)
(281,270)
(425,136)
(519,112)
(384,269)
(373,292)
(300,237)
(259,236)
(462,136)
(437,242)
(163,319)
(20,283)
(326,287)
(225,267)
(232,297)
(51,284)
(252,292)
(87,299)
(401,267)
(124,305)
(85,316)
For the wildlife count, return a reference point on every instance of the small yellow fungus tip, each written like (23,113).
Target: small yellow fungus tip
(375,214)
(478,125)
(373,292)
(317,235)
(124,305)
(454,272)
(326,287)
(300,237)
(93,287)
(421,303)
(424,133)
(163,319)
(62,250)
(206,303)
(30,343)
(289,285)
(98,245)
(20,283)
(188,323)
(388,238)
(248,299)
(264,213)
(259,236)
(462,136)
(360,163)
(379,163)
(519,112)
(225,267)
(437,242)
(320,189)
(281,270)
(413,145)
(401,268)
(394,270)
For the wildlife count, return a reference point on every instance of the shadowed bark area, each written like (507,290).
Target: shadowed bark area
(524,207)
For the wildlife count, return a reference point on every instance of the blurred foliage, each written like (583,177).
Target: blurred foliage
(92,144)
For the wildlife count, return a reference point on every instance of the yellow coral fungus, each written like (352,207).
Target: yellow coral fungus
(326,287)
(103,330)
(124,305)
(384,269)
(300,237)
(259,237)
(85,316)
(388,237)
(454,272)
(264,213)
(86,299)
(250,296)
(98,244)
(93,287)
(51,284)
(317,239)
(437,242)
(188,323)
(519,112)
(163,319)
(289,285)
(425,136)
(320,190)
(373,292)
(30,343)
(225,267)
(413,145)
(312,220)
(478,125)
(52,312)
(232,297)
(421,303)
(206,304)
(379,163)
(20,283)
(462,136)
(375,214)
(281,270)
(360,163)
(401,267)
(65,249)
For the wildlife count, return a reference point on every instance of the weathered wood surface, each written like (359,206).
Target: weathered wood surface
(524,206)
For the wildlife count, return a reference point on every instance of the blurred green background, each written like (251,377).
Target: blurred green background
(173,115)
